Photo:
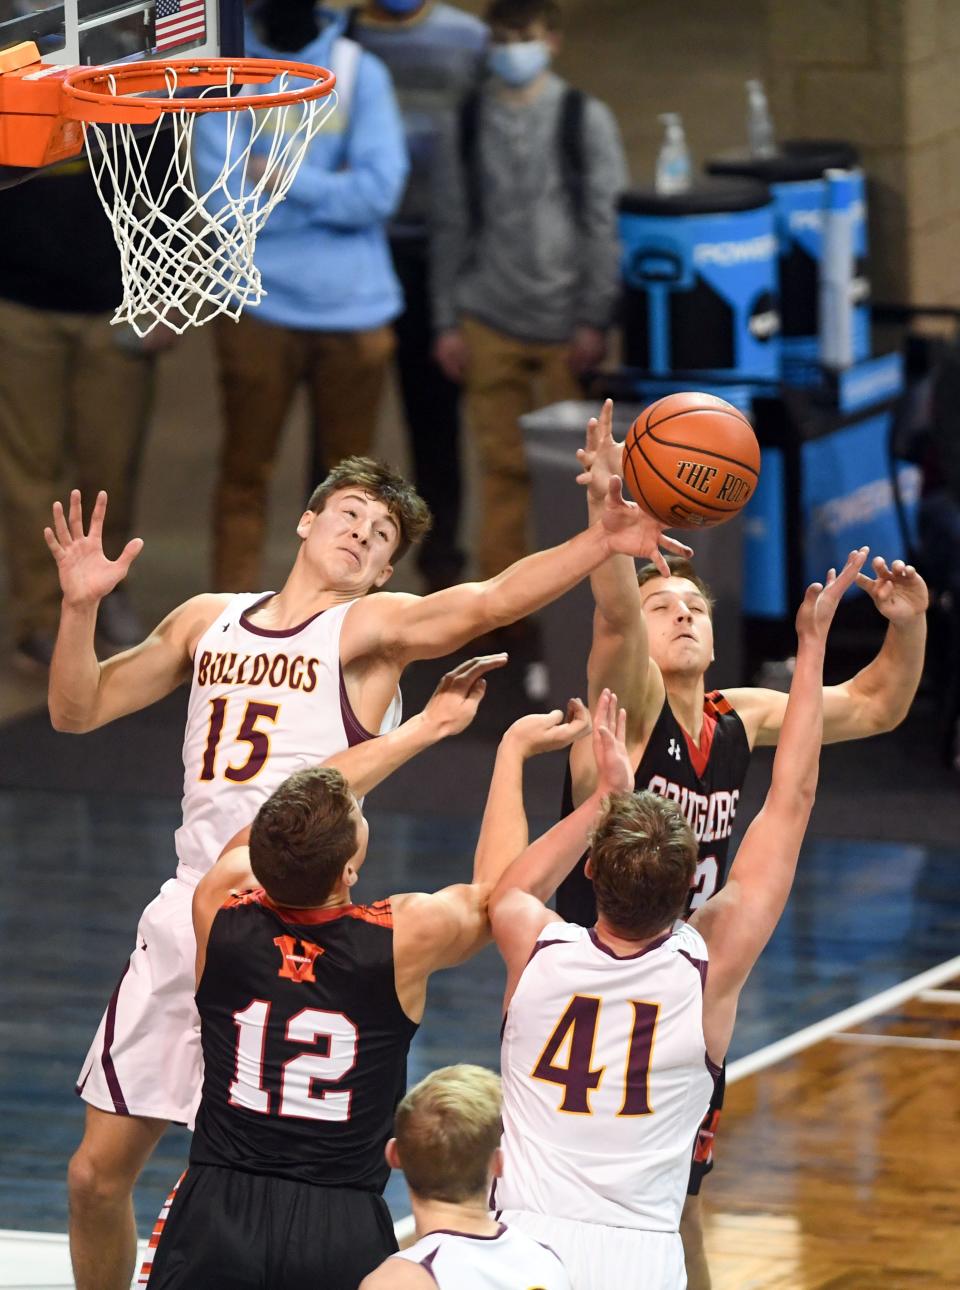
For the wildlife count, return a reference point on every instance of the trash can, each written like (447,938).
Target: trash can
(796,180)
(700,281)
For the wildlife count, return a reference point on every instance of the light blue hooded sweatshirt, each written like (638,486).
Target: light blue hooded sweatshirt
(323,252)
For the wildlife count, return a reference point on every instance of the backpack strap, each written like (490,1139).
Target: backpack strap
(345,64)
(572,152)
(352,22)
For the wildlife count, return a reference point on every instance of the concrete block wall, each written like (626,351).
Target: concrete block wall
(881,73)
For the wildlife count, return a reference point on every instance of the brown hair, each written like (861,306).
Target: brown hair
(377,479)
(447,1128)
(303,835)
(679,567)
(643,857)
(517,15)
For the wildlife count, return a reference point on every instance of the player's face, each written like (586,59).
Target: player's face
(679,626)
(350,543)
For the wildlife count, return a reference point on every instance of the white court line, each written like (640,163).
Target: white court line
(404,1230)
(895,1041)
(811,1035)
(939,996)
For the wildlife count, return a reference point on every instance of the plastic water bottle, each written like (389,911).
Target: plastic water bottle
(836,272)
(759,122)
(673,162)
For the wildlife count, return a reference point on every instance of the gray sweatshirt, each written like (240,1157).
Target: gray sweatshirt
(533,271)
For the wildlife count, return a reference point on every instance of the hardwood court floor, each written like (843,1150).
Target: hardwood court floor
(837,1167)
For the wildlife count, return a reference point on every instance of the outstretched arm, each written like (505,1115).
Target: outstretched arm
(619,650)
(450,709)
(84,693)
(739,920)
(517,910)
(879,697)
(412,627)
(504,833)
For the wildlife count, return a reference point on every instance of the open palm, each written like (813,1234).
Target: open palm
(898,591)
(601,457)
(86,575)
(632,531)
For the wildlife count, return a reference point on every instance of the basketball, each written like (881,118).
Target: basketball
(691,460)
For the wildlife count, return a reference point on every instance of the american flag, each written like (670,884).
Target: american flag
(180,22)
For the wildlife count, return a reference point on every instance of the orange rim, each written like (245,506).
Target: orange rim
(107,94)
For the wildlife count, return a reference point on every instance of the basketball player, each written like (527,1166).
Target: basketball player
(307,1007)
(652,643)
(278,682)
(613,1036)
(448,1145)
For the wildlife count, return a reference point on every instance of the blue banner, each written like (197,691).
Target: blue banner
(847,496)
(764,543)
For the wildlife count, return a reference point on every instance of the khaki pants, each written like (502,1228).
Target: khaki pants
(507,378)
(73,414)
(261,366)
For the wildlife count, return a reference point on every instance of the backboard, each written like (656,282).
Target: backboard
(94,32)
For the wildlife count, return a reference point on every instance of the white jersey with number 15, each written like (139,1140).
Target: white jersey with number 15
(263,704)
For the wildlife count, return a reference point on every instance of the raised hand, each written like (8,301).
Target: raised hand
(898,591)
(86,575)
(631,531)
(454,703)
(820,602)
(614,770)
(601,457)
(548,731)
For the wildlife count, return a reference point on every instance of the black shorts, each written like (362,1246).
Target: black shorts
(702,1161)
(228,1230)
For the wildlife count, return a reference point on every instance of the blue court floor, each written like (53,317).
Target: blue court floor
(78,867)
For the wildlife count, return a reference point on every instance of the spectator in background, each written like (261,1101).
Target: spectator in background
(331,292)
(435,54)
(75,393)
(523,254)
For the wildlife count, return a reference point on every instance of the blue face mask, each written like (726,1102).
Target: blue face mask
(401,7)
(520,62)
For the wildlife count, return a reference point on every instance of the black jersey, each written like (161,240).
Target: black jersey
(304,1043)
(704,781)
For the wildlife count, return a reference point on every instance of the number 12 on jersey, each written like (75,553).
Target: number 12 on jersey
(576,1032)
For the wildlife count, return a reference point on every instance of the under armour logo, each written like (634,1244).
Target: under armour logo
(673,750)
(294,966)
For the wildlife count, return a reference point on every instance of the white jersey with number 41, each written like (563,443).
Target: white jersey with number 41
(605,1079)
(263,704)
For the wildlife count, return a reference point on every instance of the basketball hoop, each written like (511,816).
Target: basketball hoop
(186,246)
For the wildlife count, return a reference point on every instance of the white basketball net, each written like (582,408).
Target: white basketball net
(187,255)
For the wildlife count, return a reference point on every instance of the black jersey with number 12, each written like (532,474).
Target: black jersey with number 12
(304,1043)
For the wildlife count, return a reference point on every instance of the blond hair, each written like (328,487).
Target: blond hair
(447,1128)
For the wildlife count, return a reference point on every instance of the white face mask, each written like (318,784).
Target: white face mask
(519,62)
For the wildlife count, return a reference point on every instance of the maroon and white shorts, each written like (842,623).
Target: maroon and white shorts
(145,1058)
